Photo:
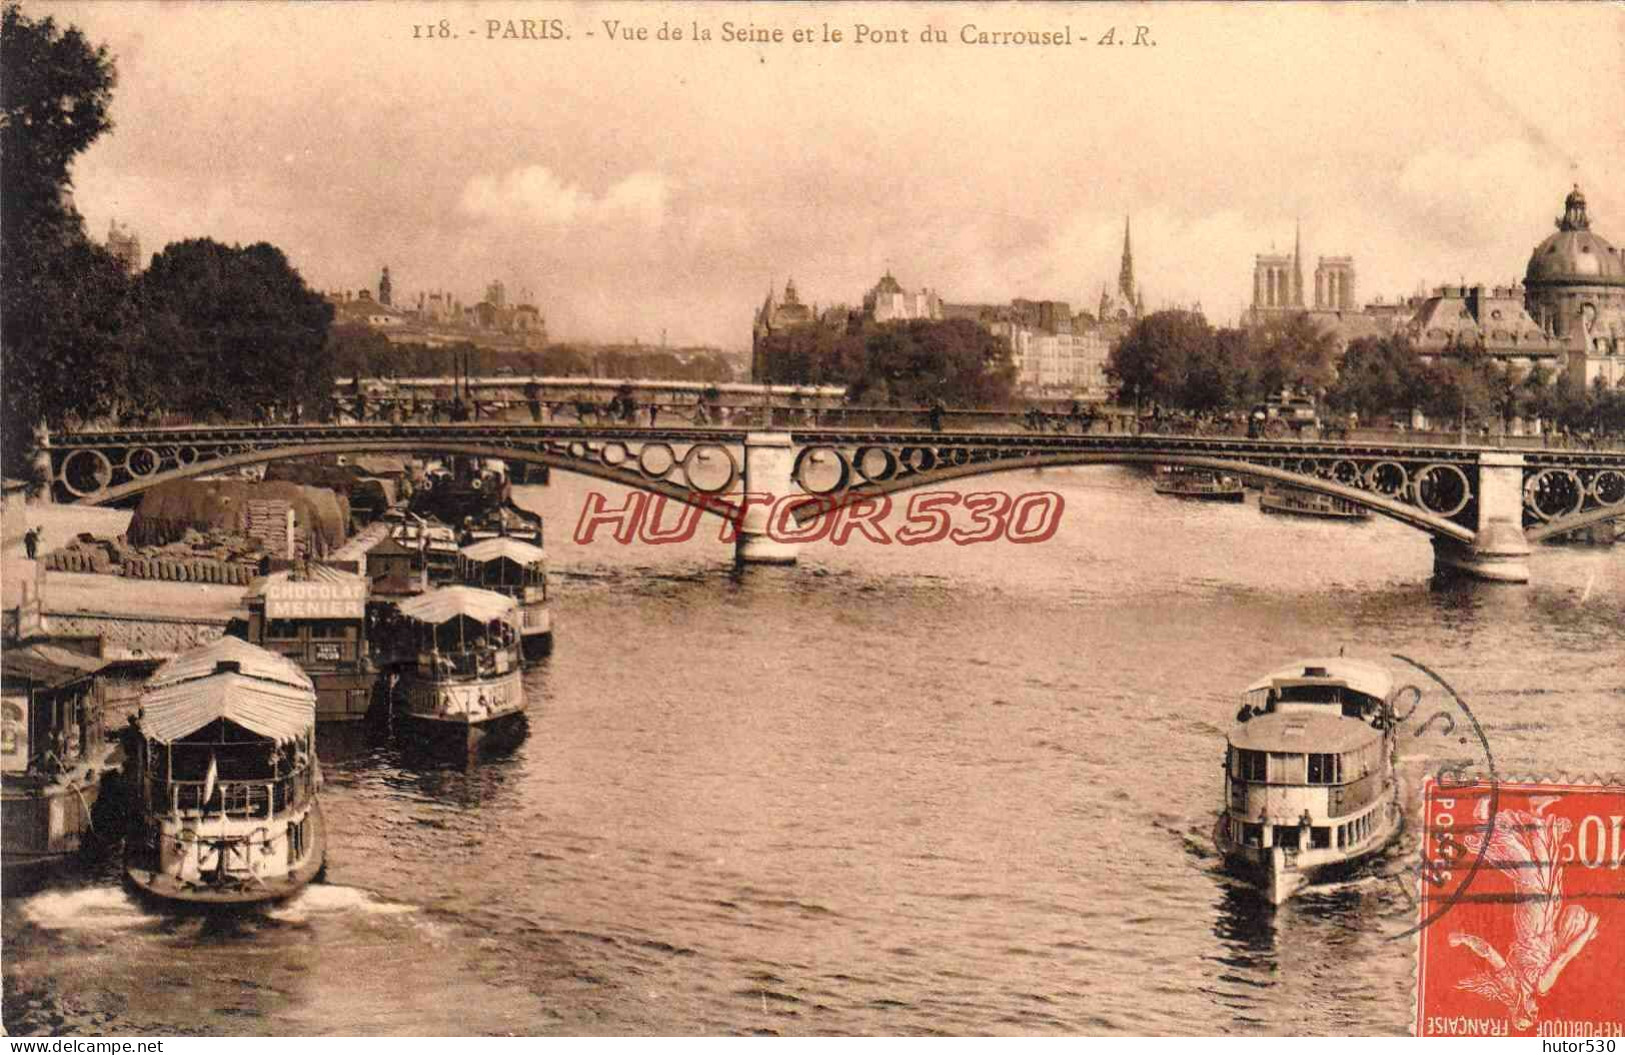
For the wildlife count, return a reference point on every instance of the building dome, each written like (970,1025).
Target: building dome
(1575,255)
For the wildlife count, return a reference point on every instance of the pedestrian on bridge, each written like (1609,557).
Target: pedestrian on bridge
(31,542)
(654,412)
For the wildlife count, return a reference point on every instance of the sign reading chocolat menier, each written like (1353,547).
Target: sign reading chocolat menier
(316,600)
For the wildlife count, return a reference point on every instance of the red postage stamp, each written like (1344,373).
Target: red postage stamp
(1523,910)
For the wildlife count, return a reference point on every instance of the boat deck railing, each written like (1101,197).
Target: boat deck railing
(241,799)
(473,663)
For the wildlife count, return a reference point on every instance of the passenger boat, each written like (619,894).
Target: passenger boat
(53,754)
(316,615)
(1185,482)
(1295,501)
(435,541)
(458,659)
(226,778)
(519,570)
(1309,775)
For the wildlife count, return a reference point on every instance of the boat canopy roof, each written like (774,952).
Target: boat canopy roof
(1303,732)
(1369,679)
(261,691)
(449,602)
(47,666)
(521,553)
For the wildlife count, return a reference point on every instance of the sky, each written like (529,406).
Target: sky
(640,188)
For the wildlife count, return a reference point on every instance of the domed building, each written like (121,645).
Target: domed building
(1575,289)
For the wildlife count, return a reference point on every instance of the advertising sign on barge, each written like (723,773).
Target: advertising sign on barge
(316,616)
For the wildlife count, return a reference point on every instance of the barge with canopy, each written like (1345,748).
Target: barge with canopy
(53,755)
(1310,787)
(227,780)
(456,652)
(518,570)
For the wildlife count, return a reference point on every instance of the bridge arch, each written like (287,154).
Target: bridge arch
(1392,507)
(626,477)
(1574,522)
(1410,515)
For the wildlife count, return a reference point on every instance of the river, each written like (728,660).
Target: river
(893,790)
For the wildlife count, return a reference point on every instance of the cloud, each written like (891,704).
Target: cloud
(534,195)
(1462,199)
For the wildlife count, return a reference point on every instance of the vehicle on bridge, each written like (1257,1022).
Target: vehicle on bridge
(456,651)
(519,570)
(1295,501)
(1310,785)
(1182,482)
(1275,418)
(226,778)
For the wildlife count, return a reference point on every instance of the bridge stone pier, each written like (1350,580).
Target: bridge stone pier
(1499,551)
(770,459)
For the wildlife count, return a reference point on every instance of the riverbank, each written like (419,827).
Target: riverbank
(59,524)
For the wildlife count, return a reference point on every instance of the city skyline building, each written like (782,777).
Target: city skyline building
(1278,280)
(1574,289)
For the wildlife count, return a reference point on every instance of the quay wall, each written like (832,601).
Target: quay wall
(125,636)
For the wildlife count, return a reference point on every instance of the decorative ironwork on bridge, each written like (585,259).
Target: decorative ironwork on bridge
(1456,494)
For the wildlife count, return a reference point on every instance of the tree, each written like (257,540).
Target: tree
(925,361)
(1294,352)
(55,97)
(1378,375)
(64,303)
(1156,358)
(235,327)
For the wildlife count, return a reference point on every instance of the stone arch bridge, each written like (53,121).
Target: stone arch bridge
(1482,507)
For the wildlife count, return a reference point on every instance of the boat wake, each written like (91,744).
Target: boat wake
(321,898)
(88,908)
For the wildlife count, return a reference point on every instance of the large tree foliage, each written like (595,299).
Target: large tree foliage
(64,303)
(232,328)
(1378,375)
(1156,359)
(55,93)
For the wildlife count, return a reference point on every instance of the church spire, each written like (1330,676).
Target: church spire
(1297,264)
(1125,275)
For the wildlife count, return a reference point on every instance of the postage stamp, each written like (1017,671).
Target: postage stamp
(1524,889)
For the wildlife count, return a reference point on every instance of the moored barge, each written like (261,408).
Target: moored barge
(1294,501)
(1182,481)
(53,754)
(457,657)
(518,570)
(316,615)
